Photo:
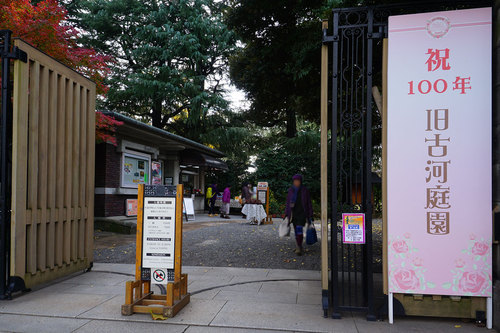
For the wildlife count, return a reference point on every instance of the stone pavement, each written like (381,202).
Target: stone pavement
(90,302)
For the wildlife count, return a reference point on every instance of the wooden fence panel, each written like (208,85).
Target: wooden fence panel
(53,169)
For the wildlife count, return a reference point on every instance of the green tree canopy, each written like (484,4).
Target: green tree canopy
(170,57)
(288,156)
(279,65)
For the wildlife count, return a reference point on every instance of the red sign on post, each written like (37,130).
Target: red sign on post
(131,207)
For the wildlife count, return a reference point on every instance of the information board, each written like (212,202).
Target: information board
(262,196)
(353,228)
(158,235)
(188,209)
(158,257)
(439,186)
(262,186)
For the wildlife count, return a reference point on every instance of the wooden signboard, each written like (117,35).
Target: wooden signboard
(188,209)
(158,253)
(263,196)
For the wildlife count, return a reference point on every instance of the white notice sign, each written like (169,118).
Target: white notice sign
(158,245)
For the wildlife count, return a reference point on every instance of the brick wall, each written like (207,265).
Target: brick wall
(107,175)
(107,205)
(107,166)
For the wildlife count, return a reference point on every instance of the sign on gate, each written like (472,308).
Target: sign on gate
(439,153)
(353,228)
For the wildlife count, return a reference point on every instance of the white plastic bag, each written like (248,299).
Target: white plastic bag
(284,228)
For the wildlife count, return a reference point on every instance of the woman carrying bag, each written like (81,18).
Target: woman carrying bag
(299,210)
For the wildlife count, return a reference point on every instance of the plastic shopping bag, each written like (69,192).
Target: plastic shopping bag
(284,228)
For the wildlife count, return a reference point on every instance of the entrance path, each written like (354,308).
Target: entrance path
(90,302)
(211,241)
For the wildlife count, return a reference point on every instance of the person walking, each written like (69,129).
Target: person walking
(208,197)
(246,197)
(226,202)
(213,198)
(246,193)
(299,210)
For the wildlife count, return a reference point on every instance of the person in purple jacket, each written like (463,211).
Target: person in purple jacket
(226,202)
(299,209)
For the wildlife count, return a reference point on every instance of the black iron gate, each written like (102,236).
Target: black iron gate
(356,43)
(354,32)
(6,54)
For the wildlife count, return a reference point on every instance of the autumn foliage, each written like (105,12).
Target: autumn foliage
(45,26)
(105,128)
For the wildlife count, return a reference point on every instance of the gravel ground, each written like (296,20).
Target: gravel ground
(221,245)
(245,245)
(231,244)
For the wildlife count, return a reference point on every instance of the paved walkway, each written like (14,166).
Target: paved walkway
(90,302)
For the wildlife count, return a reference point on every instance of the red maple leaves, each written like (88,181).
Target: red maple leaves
(45,26)
(105,128)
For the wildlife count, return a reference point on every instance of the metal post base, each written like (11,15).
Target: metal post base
(336,316)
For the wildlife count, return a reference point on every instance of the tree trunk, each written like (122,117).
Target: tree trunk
(291,123)
(156,114)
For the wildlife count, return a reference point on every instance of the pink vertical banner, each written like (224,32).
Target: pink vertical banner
(439,153)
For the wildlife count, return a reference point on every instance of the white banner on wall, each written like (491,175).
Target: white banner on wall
(439,153)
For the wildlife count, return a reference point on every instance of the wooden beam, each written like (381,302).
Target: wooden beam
(34,99)
(68,168)
(178,234)
(89,240)
(19,167)
(138,238)
(61,180)
(385,269)
(378,100)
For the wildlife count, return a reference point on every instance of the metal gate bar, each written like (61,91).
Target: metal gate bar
(4,186)
(7,53)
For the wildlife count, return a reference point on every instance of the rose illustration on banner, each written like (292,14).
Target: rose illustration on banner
(400,246)
(418,261)
(471,273)
(407,270)
(406,279)
(480,248)
(471,282)
(460,263)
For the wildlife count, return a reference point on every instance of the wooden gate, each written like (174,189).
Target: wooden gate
(52,169)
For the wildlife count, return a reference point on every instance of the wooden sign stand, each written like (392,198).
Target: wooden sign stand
(269,218)
(138,294)
(261,187)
